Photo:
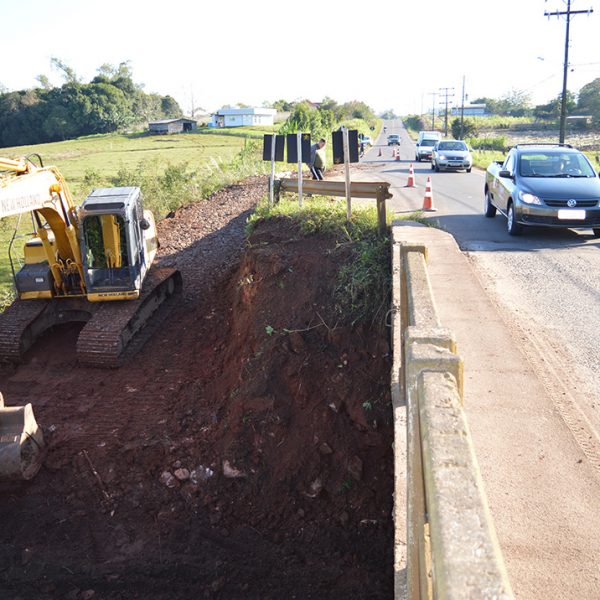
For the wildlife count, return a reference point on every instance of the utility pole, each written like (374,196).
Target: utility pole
(434,94)
(447,94)
(563,103)
(462,111)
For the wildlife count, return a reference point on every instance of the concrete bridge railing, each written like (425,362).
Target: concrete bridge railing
(445,541)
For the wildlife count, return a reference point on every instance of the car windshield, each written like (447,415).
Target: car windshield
(428,142)
(452,146)
(554,164)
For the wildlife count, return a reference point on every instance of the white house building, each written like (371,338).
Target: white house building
(239,117)
(470,110)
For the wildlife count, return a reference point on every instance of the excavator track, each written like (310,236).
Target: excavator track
(15,328)
(117,330)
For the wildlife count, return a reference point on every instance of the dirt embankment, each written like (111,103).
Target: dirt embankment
(245,452)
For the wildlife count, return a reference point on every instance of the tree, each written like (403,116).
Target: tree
(388,114)
(170,107)
(44,81)
(515,103)
(467,130)
(589,100)
(551,110)
(68,72)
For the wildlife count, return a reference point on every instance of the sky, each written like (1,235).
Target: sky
(390,54)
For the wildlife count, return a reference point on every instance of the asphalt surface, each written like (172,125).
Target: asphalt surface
(526,312)
(545,282)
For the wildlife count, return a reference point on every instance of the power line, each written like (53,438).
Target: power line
(563,104)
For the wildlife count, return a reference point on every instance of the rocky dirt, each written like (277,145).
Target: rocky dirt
(245,452)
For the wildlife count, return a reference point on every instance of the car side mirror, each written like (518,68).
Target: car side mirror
(417,143)
(505,173)
(144,224)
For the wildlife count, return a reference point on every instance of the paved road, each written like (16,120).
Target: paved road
(546,288)
(545,281)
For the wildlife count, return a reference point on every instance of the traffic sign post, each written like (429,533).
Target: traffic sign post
(299,148)
(347,172)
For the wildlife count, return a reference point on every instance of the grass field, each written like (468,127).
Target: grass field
(105,155)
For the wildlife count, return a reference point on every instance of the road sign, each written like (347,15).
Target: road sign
(279,145)
(338,147)
(292,148)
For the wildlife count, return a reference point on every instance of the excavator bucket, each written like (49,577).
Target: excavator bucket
(21,442)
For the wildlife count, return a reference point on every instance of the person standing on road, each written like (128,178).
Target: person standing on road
(317,159)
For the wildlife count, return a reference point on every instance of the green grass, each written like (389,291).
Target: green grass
(363,285)
(105,155)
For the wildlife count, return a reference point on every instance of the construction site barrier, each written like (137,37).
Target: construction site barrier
(445,545)
(377,190)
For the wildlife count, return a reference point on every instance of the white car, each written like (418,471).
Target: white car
(366,139)
(451,154)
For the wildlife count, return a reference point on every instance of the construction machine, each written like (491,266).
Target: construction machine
(90,263)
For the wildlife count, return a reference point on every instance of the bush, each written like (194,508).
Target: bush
(499,143)
(414,122)
(467,130)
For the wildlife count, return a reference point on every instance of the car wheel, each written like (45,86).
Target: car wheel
(469,170)
(596,232)
(437,168)
(490,209)
(432,167)
(512,226)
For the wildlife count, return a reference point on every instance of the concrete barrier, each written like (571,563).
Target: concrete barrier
(445,544)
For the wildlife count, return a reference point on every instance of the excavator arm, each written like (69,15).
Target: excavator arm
(43,191)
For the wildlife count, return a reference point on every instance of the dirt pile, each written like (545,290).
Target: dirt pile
(244,453)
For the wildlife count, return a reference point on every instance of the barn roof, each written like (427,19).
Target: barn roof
(166,121)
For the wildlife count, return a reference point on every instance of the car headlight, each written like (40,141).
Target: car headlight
(442,157)
(529,198)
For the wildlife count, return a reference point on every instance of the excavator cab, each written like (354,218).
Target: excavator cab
(118,242)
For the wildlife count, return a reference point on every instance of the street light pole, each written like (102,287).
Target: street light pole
(563,102)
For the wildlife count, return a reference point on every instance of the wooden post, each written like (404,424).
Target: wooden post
(299,148)
(347,169)
(272,178)
(381,216)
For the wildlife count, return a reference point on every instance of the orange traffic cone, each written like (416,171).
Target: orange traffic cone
(411,177)
(397,153)
(428,199)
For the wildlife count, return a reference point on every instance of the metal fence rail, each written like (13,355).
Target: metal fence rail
(451,545)
(376,190)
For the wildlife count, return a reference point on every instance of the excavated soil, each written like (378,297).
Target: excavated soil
(244,452)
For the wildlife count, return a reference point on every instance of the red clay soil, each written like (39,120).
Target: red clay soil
(245,452)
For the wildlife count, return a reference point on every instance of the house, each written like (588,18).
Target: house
(240,117)
(172,125)
(470,110)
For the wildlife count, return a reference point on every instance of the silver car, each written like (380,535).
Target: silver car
(451,154)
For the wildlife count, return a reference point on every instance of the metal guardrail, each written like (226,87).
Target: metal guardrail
(451,545)
(378,190)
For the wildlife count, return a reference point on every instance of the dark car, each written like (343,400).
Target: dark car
(544,185)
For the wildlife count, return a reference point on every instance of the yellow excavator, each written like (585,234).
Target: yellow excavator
(90,263)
